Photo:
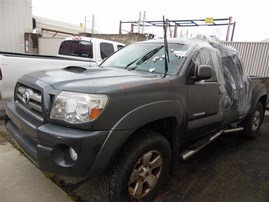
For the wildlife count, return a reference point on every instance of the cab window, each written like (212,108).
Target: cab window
(106,50)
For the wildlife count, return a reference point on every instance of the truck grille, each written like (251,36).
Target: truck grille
(30,101)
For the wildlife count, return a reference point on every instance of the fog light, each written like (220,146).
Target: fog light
(73,154)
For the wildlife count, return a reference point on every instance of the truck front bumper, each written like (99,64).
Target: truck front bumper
(53,148)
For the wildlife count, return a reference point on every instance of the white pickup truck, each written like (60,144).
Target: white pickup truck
(73,51)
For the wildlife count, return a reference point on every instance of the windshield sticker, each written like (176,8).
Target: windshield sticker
(151,70)
(156,58)
(180,54)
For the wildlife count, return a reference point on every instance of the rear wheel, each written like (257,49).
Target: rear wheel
(141,168)
(253,123)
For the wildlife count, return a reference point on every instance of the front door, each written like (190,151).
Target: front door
(204,97)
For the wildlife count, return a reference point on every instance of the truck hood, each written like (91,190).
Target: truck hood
(96,79)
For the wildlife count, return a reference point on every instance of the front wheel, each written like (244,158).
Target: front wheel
(140,169)
(253,123)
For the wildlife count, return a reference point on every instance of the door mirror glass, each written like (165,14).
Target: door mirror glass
(204,72)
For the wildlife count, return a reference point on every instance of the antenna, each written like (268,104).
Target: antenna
(166,51)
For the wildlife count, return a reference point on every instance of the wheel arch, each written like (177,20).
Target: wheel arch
(260,96)
(263,100)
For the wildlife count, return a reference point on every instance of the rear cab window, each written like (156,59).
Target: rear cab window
(76,48)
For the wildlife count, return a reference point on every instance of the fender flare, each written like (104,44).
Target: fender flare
(150,112)
(256,97)
(128,124)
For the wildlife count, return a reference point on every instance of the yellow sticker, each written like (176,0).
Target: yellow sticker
(209,20)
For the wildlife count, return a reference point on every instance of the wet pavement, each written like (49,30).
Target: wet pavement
(231,168)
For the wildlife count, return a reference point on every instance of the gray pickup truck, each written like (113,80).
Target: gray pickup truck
(131,118)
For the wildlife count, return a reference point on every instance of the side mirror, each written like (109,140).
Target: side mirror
(204,72)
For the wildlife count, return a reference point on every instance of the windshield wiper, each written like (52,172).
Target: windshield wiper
(131,63)
(144,58)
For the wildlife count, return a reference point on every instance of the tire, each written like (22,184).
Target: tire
(140,169)
(253,123)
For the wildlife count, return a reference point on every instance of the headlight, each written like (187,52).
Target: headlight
(77,107)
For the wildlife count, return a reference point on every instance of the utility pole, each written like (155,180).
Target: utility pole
(85,21)
(93,24)
(143,24)
(120,27)
(139,21)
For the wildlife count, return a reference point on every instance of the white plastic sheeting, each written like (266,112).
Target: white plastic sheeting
(235,87)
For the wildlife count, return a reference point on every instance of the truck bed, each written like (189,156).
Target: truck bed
(258,85)
(24,55)
(14,65)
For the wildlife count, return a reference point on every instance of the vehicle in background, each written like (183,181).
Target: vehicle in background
(73,51)
(85,48)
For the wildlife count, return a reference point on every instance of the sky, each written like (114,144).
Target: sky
(251,17)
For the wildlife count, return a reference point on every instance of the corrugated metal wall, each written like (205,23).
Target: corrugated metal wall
(254,55)
(15,20)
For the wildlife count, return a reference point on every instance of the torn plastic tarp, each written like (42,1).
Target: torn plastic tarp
(235,88)
(237,82)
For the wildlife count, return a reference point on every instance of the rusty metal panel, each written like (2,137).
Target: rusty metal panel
(254,55)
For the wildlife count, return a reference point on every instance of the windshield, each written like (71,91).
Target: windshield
(148,57)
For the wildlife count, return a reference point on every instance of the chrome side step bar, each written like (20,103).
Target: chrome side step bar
(233,130)
(184,155)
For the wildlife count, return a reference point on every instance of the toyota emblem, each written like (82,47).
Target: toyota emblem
(26,97)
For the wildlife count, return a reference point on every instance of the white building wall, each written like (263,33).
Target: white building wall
(49,46)
(15,20)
